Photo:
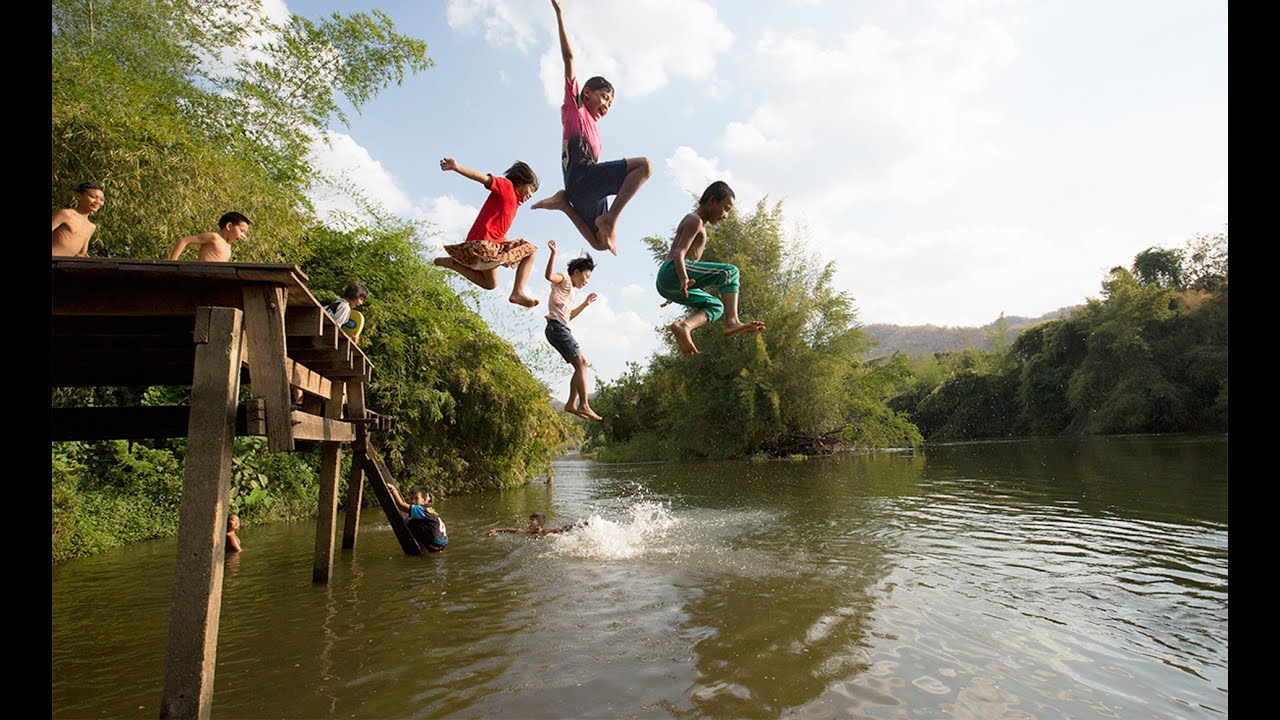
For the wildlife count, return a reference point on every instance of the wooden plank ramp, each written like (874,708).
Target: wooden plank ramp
(379,477)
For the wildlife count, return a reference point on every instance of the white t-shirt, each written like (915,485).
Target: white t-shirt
(340,311)
(559,305)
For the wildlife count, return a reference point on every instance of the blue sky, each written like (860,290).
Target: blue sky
(958,159)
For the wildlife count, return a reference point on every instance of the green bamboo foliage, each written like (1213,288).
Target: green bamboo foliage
(801,386)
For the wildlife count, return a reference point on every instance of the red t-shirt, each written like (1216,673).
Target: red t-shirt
(497,212)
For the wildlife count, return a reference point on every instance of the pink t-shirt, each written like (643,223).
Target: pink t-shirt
(561,298)
(497,213)
(581,143)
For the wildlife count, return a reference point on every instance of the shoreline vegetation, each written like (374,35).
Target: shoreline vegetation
(136,105)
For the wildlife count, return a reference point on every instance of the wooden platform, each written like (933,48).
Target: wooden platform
(216,328)
(120,322)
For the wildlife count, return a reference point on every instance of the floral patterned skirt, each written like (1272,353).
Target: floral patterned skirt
(486,254)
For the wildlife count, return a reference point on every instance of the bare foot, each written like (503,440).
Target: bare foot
(584,410)
(522,299)
(733,329)
(572,411)
(605,236)
(683,338)
(559,201)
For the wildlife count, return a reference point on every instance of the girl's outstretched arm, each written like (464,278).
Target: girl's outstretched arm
(484,179)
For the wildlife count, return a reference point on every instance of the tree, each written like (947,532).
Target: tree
(1048,355)
(1207,262)
(800,387)
(1161,267)
(169,106)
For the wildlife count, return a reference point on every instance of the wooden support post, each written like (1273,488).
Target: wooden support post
(268,376)
(355,481)
(327,513)
(202,524)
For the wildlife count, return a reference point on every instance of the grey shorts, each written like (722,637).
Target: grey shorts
(561,338)
(588,189)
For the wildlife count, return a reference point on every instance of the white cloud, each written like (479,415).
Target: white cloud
(276,10)
(638,45)
(744,138)
(609,329)
(634,290)
(965,276)
(898,115)
(346,162)
(692,173)
(256,36)
(954,156)
(452,218)
(503,22)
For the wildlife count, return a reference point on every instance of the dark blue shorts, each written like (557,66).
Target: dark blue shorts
(589,188)
(561,338)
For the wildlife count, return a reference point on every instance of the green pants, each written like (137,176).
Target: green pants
(720,276)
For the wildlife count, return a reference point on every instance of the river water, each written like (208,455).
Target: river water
(1027,579)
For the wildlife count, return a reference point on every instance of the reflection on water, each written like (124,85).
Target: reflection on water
(1033,579)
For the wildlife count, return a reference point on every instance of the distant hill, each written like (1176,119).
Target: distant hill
(929,339)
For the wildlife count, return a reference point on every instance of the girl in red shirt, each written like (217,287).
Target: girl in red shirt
(487,246)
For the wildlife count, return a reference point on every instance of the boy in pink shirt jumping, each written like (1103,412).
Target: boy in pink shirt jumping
(588,183)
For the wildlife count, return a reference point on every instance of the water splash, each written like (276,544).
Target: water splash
(645,529)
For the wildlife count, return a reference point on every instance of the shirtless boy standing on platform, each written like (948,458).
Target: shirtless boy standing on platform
(71,226)
(215,246)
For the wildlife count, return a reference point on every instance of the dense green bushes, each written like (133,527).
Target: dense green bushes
(1149,356)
